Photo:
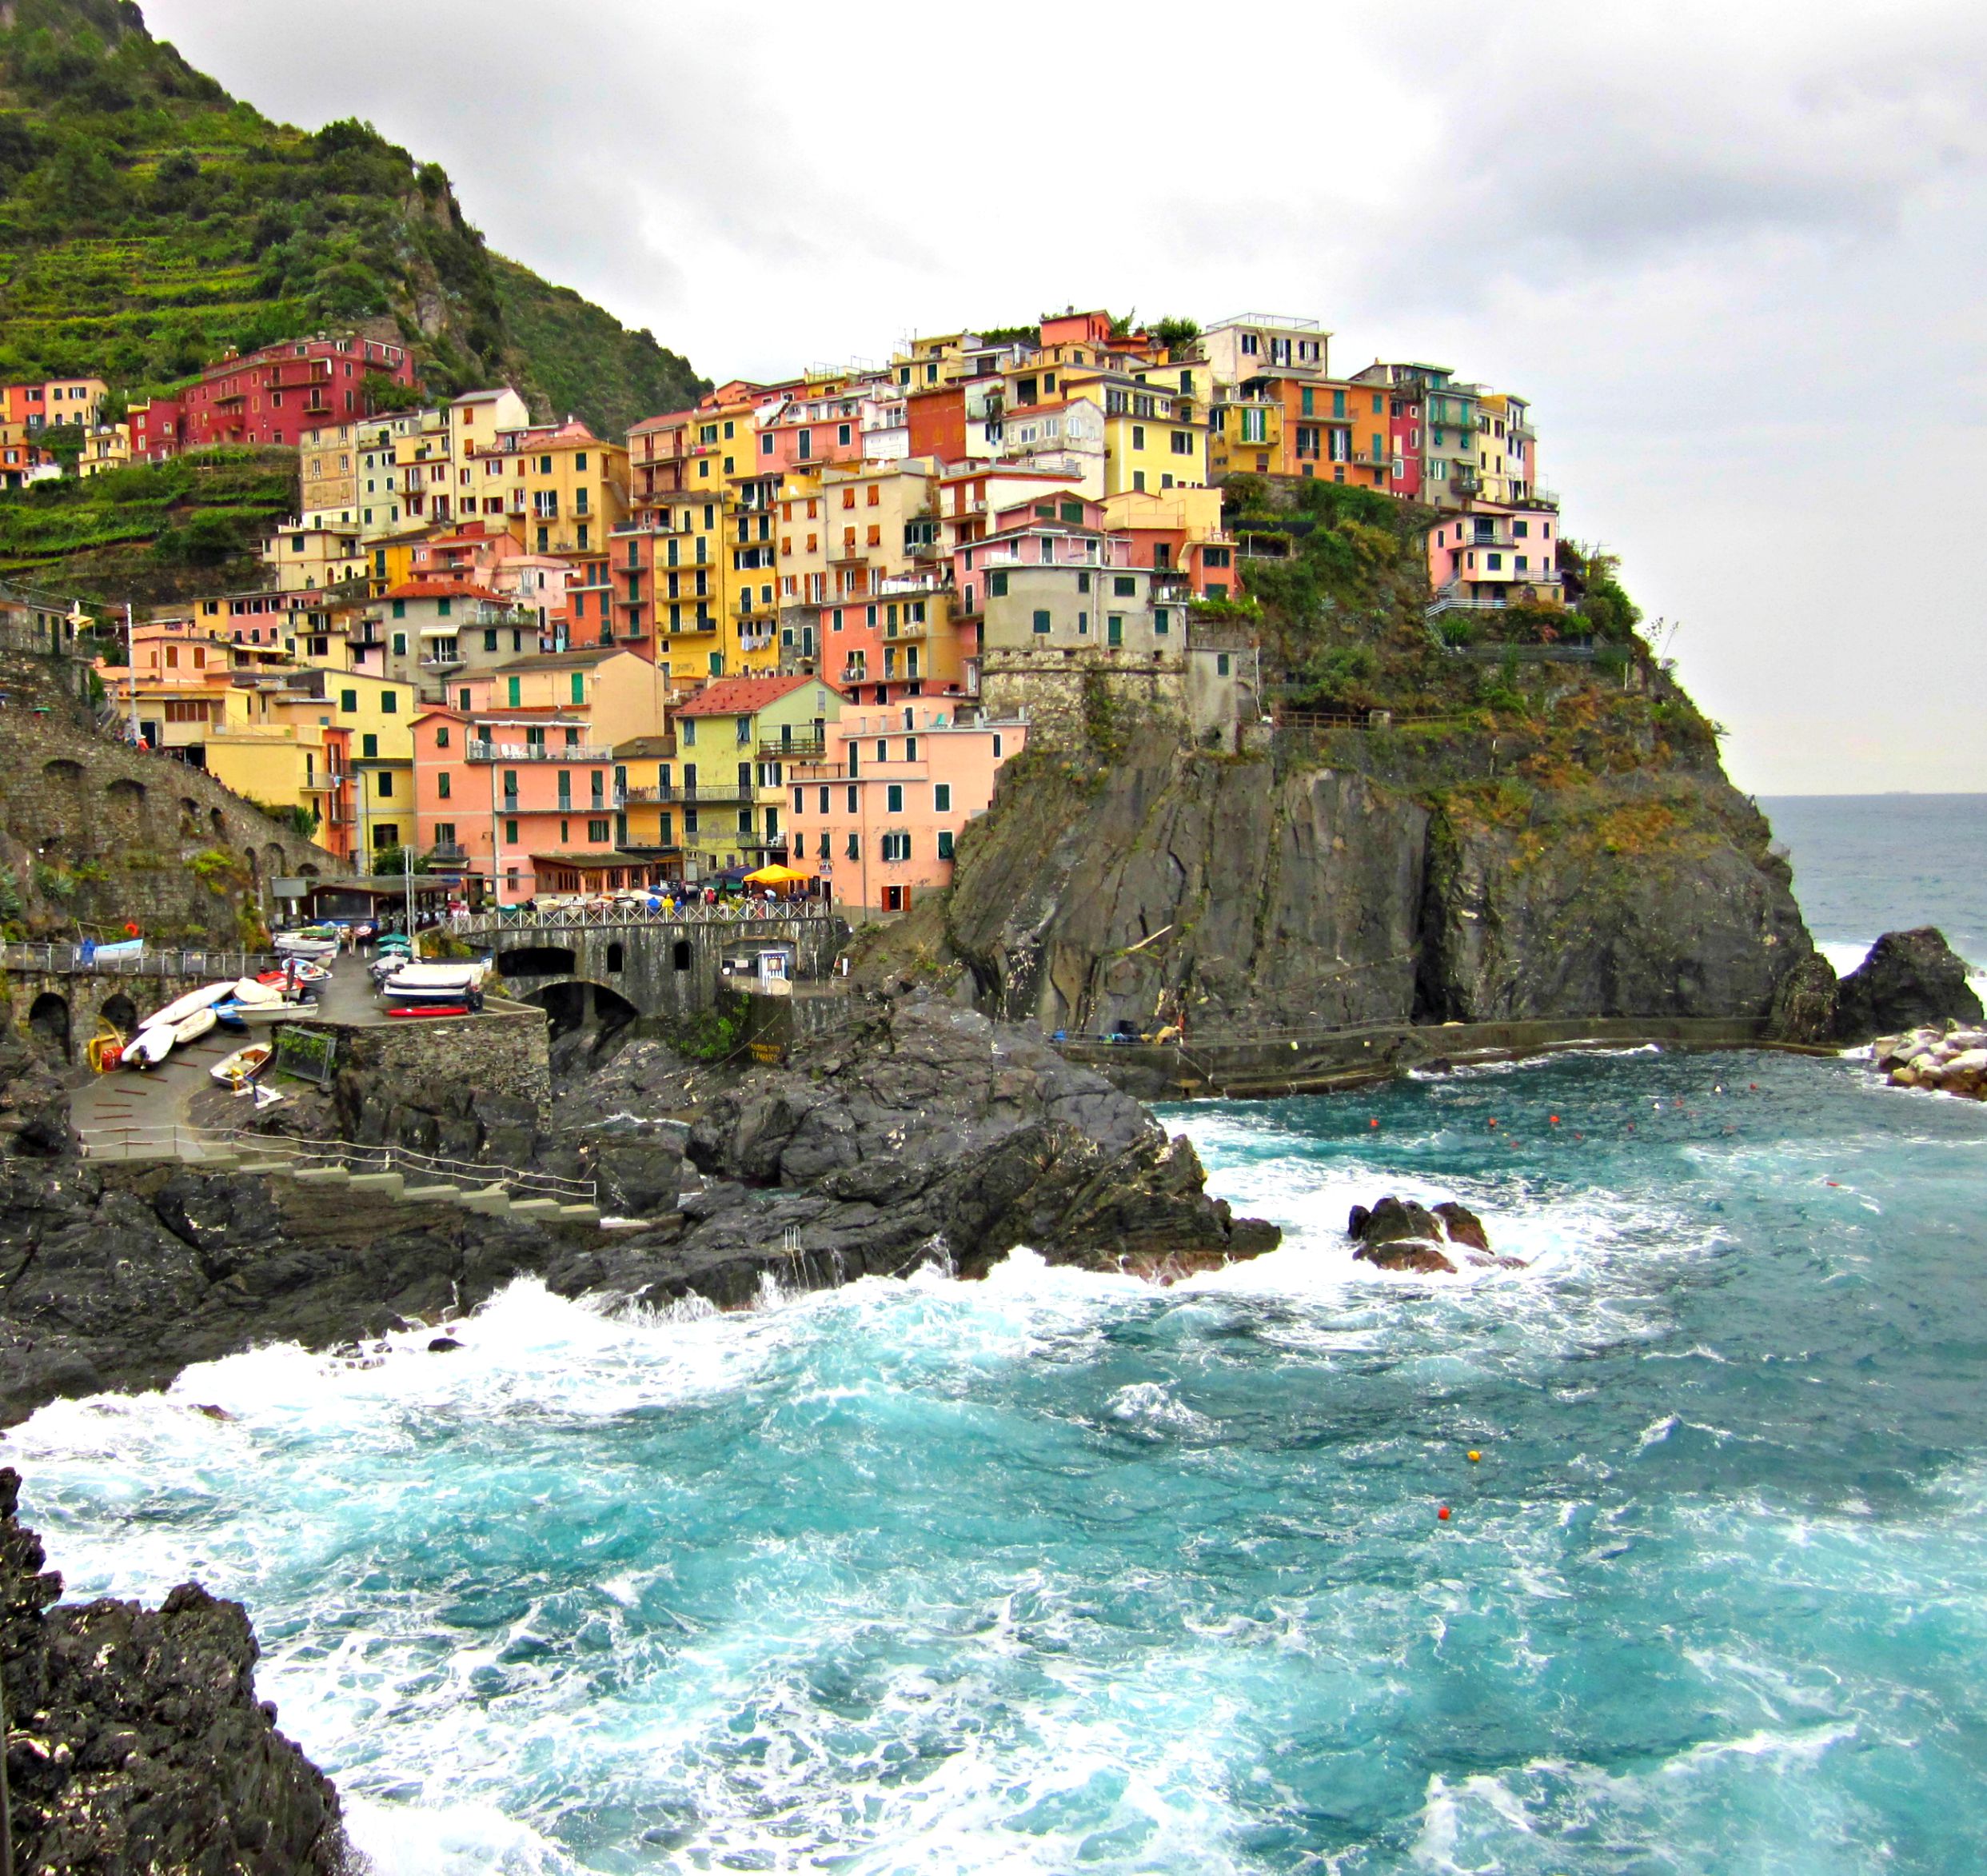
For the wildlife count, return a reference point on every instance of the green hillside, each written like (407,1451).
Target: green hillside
(148,221)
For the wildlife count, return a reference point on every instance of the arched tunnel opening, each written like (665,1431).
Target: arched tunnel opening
(48,1021)
(588,1021)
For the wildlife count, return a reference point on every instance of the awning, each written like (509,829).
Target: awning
(776,875)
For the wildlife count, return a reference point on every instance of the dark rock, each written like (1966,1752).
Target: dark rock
(138,1745)
(1405,1254)
(1804,1009)
(212,1411)
(442,1344)
(1909,979)
(1464,1226)
(1398,1233)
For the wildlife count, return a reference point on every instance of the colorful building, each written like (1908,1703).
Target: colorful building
(1492,555)
(878,817)
(735,741)
(274,395)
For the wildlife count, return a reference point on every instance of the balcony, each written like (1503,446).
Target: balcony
(801,750)
(910,629)
(854,674)
(442,662)
(446,853)
(693,795)
(537,753)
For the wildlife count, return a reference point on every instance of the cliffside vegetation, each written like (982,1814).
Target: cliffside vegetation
(148,221)
(150,532)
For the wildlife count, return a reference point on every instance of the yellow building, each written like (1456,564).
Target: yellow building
(105,446)
(735,742)
(1246,436)
(307,557)
(559,487)
(327,476)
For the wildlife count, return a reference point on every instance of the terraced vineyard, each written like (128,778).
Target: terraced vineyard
(148,221)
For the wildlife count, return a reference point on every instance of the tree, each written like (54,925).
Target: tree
(1176,333)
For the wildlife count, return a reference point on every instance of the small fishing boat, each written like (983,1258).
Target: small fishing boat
(431,1009)
(238,1015)
(254,990)
(431,995)
(191,1029)
(306,972)
(243,1066)
(148,1048)
(466,972)
(181,1007)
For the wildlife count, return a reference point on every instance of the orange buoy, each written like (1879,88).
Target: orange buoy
(1474,1456)
(1492,1124)
(1442,1511)
(1372,1123)
(1553,1118)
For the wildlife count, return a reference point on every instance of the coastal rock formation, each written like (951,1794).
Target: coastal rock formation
(1909,978)
(1398,1233)
(137,1745)
(1291,889)
(928,1124)
(1947,1059)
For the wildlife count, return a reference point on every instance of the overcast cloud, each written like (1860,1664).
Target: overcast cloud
(1734,254)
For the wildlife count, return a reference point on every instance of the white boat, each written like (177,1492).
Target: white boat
(260,1012)
(442,976)
(292,946)
(191,1029)
(205,997)
(148,1048)
(254,990)
(243,1065)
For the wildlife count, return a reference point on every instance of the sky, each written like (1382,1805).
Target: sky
(1735,255)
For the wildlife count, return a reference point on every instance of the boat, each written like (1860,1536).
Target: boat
(431,995)
(431,1009)
(238,1015)
(472,971)
(243,1066)
(254,990)
(182,1006)
(305,972)
(191,1029)
(148,1048)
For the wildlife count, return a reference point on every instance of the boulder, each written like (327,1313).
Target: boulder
(137,1743)
(1398,1233)
(1909,978)
(1804,1002)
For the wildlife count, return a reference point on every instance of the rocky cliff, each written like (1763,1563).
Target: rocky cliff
(136,1746)
(1437,830)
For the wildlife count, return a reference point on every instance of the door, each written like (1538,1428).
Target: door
(1114,629)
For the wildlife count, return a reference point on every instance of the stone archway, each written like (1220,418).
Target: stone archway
(119,1012)
(579,1003)
(47,1025)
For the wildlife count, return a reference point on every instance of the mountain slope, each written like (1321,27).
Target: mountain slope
(148,221)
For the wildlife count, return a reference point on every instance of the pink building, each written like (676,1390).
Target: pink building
(877,820)
(1493,555)
(518,803)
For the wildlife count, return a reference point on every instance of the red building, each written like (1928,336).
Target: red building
(274,395)
(158,425)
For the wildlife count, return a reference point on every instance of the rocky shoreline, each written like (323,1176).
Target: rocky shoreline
(136,1742)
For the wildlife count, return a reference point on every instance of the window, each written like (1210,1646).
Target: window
(855,846)
(942,797)
(893,798)
(996,749)
(895,846)
(442,785)
(1137,436)
(1043,622)
(1124,585)
(1182,442)
(945,844)
(1221,664)
(441,737)
(599,832)
(348,700)
(400,608)
(389,703)
(510,833)
(385,788)
(996,588)
(400,644)
(579,687)
(514,691)
(369,748)
(489,641)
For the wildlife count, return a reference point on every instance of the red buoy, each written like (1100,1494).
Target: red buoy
(1442,1511)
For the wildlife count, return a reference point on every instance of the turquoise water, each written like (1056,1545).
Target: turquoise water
(1054,1573)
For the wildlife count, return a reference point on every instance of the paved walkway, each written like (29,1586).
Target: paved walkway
(108,1107)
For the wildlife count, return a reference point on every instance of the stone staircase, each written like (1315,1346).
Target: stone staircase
(397,1175)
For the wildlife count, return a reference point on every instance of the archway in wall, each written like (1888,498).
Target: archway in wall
(121,1013)
(580,1005)
(537,960)
(48,1023)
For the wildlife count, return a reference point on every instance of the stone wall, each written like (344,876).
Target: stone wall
(1055,688)
(97,832)
(504,1050)
(46,1006)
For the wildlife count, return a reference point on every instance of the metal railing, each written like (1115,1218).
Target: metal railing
(272,1151)
(537,753)
(512,919)
(69,958)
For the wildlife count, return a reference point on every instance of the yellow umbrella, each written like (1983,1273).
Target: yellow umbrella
(776,876)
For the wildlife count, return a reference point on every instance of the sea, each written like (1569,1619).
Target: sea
(1660,1553)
